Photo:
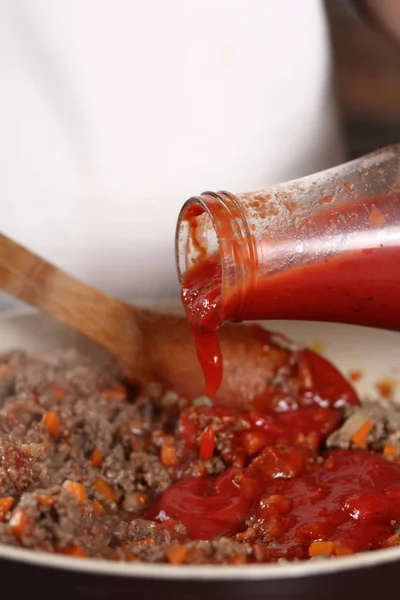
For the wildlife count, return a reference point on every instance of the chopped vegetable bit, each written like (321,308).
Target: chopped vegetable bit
(105,490)
(145,542)
(19,522)
(168,455)
(45,499)
(321,549)
(96,458)
(76,551)
(52,423)
(5,505)
(390,451)
(355,375)
(359,438)
(76,489)
(239,559)
(342,550)
(386,387)
(4,370)
(58,392)
(117,392)
(98,508)
(176,554)
(207,444)
(390,541)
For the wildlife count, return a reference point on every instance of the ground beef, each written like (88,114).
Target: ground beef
(95,413)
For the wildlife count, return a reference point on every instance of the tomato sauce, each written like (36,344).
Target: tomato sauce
(279,489)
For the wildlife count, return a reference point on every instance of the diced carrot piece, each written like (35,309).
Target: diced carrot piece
(329,463)
(117,392)
(390,451)
(145,542)
(121,554)
(166,439)
(4,370)
(168,455)
(98,508)
(310,440)
(240,559)
(275,505)
(310,531)
(52,423)
(273,529)
(105,490)
(76,551)
(141,499)
(5,505)
(176,554)
(342,550)
(58,392)
(76,489)
(321,549)
(96,457)
(359,438)
(390,541)
(18,522)
(355,375)
(386,387)
(45,499)
(207,444)
(246,536)
(252,440)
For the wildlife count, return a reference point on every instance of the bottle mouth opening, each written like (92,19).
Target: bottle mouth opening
(211,227)
(196,237)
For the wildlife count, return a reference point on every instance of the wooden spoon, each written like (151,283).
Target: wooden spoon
(151,346)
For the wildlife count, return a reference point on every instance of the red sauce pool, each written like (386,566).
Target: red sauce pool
(286,495)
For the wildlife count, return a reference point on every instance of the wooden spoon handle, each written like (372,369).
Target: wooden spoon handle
(32,279)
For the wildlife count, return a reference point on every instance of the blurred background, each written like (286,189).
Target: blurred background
(367,76)
(114,112)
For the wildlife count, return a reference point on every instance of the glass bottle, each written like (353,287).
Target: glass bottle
(325,247)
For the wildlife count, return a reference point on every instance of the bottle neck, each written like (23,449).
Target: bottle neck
(213,238)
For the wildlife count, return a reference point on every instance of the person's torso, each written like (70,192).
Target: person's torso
(114,112)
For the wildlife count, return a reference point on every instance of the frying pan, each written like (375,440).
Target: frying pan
(370,575)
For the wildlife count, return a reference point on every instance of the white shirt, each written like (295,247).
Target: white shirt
(114,112)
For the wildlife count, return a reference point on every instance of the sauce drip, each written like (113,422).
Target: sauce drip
(201,292)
